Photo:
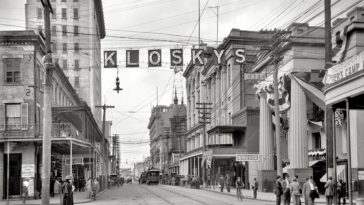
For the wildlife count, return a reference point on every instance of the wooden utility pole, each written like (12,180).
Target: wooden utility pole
(204,111)
(217,22)
(199,23)
(104,157)
(47,118)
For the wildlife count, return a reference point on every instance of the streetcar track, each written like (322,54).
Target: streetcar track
(165,200)
(189,197)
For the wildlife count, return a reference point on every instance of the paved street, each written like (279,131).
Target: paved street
(161,194)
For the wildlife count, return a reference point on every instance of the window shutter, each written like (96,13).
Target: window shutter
(24,116)
(2,117)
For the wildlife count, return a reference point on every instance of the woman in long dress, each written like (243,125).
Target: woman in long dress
(239,185)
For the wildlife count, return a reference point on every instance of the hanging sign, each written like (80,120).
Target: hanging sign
(110,59)
(247,157)
(154,58)
(176,57)
(132,58)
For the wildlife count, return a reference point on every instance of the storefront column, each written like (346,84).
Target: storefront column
(297,140)
(265,136)
(198,166)
(194,166)
(71,157)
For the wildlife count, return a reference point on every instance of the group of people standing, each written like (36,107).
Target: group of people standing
(288,189)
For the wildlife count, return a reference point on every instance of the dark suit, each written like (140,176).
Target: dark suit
(278,191)
(286,192)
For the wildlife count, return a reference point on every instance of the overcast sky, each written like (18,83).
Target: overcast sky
(165,24)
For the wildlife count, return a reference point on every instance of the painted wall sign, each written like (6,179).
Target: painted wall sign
(110,59)
(344,69)
(176,57)
(254,76)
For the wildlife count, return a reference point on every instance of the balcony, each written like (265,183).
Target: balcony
(63,130)
(317,154)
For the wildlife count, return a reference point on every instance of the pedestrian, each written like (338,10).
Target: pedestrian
(329,191)
(67,191)
(306,192)
(89,188)
(313,191)
(239,185)
(255,188)
(286,190)
(341,192)
(295,191)
(51,186)
(222,183)
(278,190)
(227,182)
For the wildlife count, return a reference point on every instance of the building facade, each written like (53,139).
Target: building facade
(75,134)
(77,26)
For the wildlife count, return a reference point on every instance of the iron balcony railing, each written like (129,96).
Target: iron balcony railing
(62,130)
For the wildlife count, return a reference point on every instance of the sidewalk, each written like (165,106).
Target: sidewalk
(78,198)
(261,196)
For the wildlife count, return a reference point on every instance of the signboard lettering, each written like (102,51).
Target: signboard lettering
(247,157)
(27,170)
(132,58)
(176,57)
(110,59)
(155,58)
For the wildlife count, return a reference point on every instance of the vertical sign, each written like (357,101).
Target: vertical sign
(132,58)
(197,57)
(154,58)
(239,56)
(218,57)
(176,57)
(110,59)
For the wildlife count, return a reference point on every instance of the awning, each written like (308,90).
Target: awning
(340,172)
(226,129)
(310,164)
(311,91)
(315,126)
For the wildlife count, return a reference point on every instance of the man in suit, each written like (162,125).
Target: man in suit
(306,190)
(286,191)
(255,188)
(278,190)
(329,191)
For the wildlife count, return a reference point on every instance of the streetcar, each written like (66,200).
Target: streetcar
(153,176)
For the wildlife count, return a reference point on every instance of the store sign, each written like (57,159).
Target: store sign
(247,157)
(254,76)
(344,69)
(27,170)
(176,57)
(75,160)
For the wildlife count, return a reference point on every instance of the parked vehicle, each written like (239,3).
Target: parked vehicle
(153,176)
(129,180)
(143,178)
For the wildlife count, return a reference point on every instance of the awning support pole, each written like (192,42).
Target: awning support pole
(349,150)
(334,161)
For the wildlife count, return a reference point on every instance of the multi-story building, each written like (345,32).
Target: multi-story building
(75,134)
(77,26)
(166,125)
(233,123)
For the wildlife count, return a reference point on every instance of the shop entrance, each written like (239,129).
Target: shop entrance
(15,174)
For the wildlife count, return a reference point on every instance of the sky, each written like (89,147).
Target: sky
(165,24)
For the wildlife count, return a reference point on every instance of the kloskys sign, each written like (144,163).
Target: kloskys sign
(176,57)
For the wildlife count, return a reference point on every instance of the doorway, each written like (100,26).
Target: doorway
(15,163)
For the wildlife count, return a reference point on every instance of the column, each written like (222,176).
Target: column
(71,157)
(297,140)
(198,166)
(265,136)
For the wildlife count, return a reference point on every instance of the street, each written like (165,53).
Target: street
(162,194)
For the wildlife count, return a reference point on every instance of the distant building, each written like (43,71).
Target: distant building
(167,125)
(77,27)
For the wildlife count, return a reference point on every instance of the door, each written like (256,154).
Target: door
(15,174)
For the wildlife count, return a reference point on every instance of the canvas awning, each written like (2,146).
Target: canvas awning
(340,173)
(312,92)
(310,164)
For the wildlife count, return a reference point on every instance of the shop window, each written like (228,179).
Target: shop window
(12,70)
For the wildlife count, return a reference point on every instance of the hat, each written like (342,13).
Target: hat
(68,177)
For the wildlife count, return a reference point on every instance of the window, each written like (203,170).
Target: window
(64,30)
(316,140)
(54,47)
(64,47)
(54,14)
(54,30)
(77,82)
(75,13)
(39,13)
(64,13)
(77,48)
(75,30)
(40,28)
(12,69)
(64,64)
(16,116)
(77,64)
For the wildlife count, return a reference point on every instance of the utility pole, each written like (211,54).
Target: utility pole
(47,118)
(204,111)
(199,24)
(217,22)
(104,157)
